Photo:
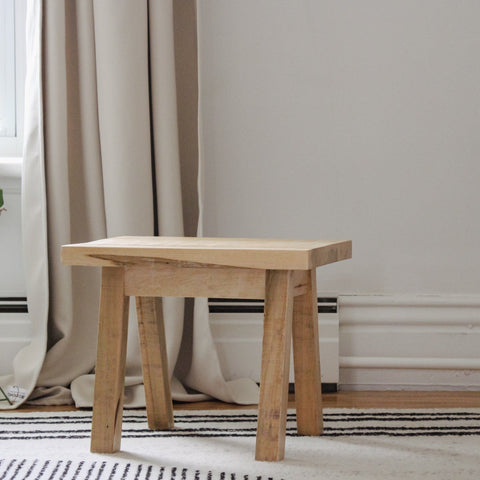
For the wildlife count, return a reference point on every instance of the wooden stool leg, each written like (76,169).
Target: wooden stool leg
(110,368)
(306,358)
(272,408)
(154,363)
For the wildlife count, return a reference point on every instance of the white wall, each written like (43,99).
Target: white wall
(15,329)
(360,120)
(347,119)
(12,280)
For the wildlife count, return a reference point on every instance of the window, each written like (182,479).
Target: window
(12,76)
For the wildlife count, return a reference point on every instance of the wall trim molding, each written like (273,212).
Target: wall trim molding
(410,300)
(409,341)
(11,167)
(411,362)
(410,310)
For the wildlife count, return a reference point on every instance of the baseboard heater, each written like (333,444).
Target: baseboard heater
(13,305)
(326,305)
(226,305)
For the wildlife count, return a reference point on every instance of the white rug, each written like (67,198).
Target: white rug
(220,445)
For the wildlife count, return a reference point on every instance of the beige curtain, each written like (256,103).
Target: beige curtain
(102,158)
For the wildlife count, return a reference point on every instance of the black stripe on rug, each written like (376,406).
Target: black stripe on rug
(201,429)
(393,423)
(179,417)
(330,418)
(28,469)
(236,434)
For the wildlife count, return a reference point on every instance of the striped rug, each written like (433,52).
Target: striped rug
(219,445)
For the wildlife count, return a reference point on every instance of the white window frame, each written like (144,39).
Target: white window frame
(12,146)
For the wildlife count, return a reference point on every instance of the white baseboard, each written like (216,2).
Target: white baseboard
(373,343)
(238,338)
(409,342)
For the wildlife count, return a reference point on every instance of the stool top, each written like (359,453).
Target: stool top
(233,252)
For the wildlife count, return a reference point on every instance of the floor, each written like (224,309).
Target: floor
(370,399)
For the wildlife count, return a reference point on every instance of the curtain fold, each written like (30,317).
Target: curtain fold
(101,158)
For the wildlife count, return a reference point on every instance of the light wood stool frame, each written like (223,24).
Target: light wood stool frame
(283,273)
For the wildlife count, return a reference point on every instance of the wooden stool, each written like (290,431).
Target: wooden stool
(280,271)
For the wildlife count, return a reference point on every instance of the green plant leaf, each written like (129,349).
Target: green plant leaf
(1,197)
